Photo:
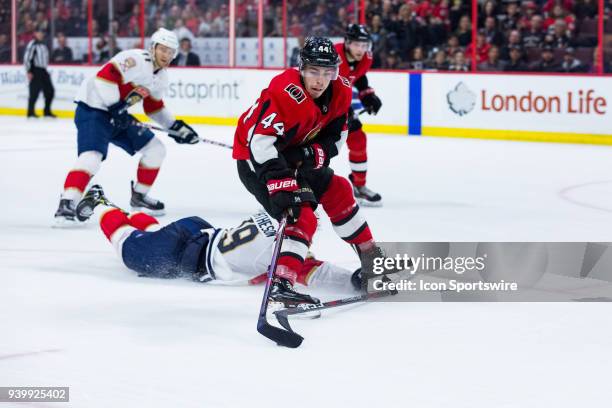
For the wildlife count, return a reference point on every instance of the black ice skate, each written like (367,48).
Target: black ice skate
(94,197)
(360,277)
(282,292)
(146,204)
(365,196)
(66,213)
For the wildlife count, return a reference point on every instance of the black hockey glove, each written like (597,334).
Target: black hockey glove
(184,133)
(286,195)
(120,117)
(312,157)
(370,101)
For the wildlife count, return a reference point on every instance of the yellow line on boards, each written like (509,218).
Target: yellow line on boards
(520,135)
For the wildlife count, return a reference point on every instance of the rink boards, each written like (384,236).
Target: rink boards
(574,109)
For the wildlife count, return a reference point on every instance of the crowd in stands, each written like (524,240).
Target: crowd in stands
(512,35)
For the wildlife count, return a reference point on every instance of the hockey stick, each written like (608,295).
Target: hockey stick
(287,338)
(175,133)
(282,315)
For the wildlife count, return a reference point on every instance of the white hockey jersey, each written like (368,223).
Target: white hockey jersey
(242,254)
(123,73)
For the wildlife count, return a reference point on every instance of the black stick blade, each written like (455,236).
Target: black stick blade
(281,337)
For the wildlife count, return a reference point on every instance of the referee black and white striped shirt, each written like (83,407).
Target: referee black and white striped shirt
(36,55)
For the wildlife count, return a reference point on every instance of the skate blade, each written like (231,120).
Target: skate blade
(276,306)
(154,213)
(365,203)
(63,223)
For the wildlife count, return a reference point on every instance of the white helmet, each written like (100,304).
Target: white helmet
(165,37)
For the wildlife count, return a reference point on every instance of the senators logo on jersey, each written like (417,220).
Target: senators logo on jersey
(296,93)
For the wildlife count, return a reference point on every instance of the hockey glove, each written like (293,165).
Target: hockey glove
(370,101)
(284,196)
(312,157)
(185,133)
(120,117)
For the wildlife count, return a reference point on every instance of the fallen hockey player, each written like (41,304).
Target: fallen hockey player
(192,248)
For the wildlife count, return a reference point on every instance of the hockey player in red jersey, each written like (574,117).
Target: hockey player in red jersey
(283,145)
(356,60)
(102,117)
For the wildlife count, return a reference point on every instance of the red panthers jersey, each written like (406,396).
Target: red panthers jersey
(285,115)
(361,68)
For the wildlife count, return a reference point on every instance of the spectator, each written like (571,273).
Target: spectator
(492,33)
(418,59)
(439,62)
(185,57)
(492,63)
(560,35)
(530,9)
(296,29)
(407,29)
(510,20)
(452,45)
(515,63)
(63,53)
(456,12)
(205,27)
(534,36)
(489,10)
(181,31)
(379,39)
(547,61)
(459,62)
(514,40)
(5,49)
(571,63)
(559,13)
(391,60)
(482,48)
(339,25)
(464,32)
(221,22)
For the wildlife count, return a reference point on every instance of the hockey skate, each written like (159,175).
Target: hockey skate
(94,197)
(283,296)
(360,279)
(65,216)
(146,204)
(365,196)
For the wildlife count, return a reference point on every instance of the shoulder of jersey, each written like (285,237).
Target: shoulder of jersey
(345,88)
(286,87)
(133,57)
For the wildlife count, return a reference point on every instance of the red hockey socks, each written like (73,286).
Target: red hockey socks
(142,221)
(297,240)
(86,166)
(339,204)
(358,157)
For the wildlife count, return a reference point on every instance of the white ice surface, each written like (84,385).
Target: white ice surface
(72,315)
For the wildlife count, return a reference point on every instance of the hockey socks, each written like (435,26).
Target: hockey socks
(86,166)
(339,204)
(148,168)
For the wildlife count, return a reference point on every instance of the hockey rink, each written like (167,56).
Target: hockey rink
(72,315)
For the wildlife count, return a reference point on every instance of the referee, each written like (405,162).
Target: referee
(36,59)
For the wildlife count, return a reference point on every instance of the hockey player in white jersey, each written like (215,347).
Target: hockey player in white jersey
(193,248)
(101,118)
